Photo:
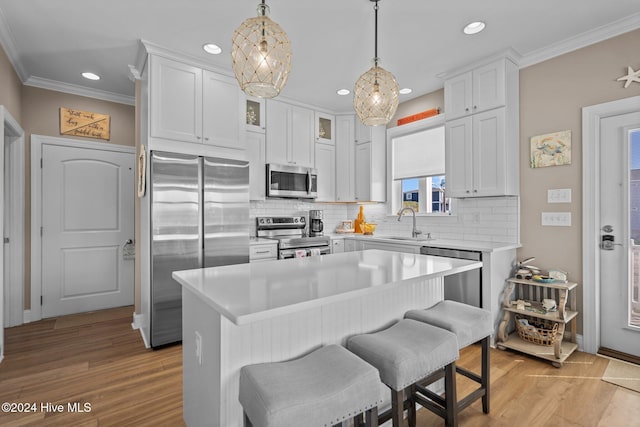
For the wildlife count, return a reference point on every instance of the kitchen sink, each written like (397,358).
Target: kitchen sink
(413,239)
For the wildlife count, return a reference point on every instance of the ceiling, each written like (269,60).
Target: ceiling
(50,42)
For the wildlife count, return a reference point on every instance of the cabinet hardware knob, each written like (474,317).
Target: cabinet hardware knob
(206,138)
(468,191)
(475,107)
(466,109)
(475,191)
(198,137)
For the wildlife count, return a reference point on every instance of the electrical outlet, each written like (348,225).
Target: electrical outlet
(198,342)
(556,219)
(562,195)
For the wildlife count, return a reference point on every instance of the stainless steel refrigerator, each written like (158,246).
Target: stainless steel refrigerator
(199,218)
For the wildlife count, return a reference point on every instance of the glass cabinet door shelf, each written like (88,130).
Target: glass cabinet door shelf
(254,114)
(325,129)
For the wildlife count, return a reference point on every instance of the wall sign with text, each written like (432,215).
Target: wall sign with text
(84,123)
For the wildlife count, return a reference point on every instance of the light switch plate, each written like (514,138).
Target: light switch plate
(556,219)
(561,195)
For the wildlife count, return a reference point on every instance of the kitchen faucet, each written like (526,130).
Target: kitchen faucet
(414,231)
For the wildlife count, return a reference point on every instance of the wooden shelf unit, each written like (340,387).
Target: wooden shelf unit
(534,292)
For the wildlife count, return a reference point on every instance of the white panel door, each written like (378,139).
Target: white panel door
(87,217)
(326,165)
(458,157)
(620,234)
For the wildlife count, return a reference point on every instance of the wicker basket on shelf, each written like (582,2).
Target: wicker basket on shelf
(539,331)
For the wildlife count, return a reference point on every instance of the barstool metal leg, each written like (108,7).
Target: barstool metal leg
(486,367)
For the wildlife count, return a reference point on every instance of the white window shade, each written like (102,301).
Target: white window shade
(419,154)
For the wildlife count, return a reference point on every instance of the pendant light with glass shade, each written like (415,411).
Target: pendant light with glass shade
(375,96)
(261,55)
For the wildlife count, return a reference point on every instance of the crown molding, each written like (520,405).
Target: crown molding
(57,86)
(8,44)
(155,49)
(616,28)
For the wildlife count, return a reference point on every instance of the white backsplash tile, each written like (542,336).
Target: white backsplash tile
(491,219)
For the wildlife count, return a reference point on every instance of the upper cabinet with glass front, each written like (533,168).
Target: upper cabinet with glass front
(325,128)
(254,116)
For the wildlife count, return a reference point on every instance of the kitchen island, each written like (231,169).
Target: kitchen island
(278,310)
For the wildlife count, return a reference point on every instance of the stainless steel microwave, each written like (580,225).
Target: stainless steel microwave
(292,181)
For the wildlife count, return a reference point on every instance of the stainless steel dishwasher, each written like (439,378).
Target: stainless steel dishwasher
(463,287)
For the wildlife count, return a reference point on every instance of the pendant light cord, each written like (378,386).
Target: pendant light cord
(375,52)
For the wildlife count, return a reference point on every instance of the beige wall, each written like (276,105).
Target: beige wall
(419,104)
(552,95)
(40,116)
(10,88)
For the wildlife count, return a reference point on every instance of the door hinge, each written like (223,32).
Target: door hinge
(40,299)
(6,240)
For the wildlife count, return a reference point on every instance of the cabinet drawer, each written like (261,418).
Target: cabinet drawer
(262,252)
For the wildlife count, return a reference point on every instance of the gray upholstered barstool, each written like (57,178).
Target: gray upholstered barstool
(323,388)
(470,324)
(406,353)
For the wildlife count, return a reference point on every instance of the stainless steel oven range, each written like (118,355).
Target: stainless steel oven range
(292,237)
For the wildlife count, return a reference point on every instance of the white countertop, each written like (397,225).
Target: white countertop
(248,292)
(262,241)
(467,245)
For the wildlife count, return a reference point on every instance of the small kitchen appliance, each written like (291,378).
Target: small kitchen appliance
(293,242)
(315,223)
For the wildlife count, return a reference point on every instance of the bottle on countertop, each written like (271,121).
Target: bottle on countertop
(359,222)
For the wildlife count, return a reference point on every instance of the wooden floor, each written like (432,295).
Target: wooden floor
(97,359)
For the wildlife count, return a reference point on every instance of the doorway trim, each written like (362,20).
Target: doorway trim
(14,288)
(37,141)
(591,117)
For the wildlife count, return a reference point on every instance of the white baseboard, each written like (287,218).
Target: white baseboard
(138,323)
(579,340)
(26,317)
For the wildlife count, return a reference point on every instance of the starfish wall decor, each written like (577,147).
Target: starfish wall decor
(632,76)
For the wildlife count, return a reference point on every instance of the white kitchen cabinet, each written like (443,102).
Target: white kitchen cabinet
(263,251)
(290,134)
(478,90)
(351,245)
(345,158)
(222,108)
(411,249)
(254,114)
(482,131)
(337,246)
(325,129)
(363,132)
(325,158)
(257,171)
(176,100)
(193,105)
(370,168)
(480,162)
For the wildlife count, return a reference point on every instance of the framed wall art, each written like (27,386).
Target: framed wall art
(551,149)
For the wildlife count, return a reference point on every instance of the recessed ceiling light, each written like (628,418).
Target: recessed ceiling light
(474,27)
(90,76)
(213,49)
(405,91)
(343,92)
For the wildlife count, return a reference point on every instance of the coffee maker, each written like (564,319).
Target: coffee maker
(315,223)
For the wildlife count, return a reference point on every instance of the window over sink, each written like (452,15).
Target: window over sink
(416,154)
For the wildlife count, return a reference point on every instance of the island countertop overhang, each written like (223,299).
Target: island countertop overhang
(245,293)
